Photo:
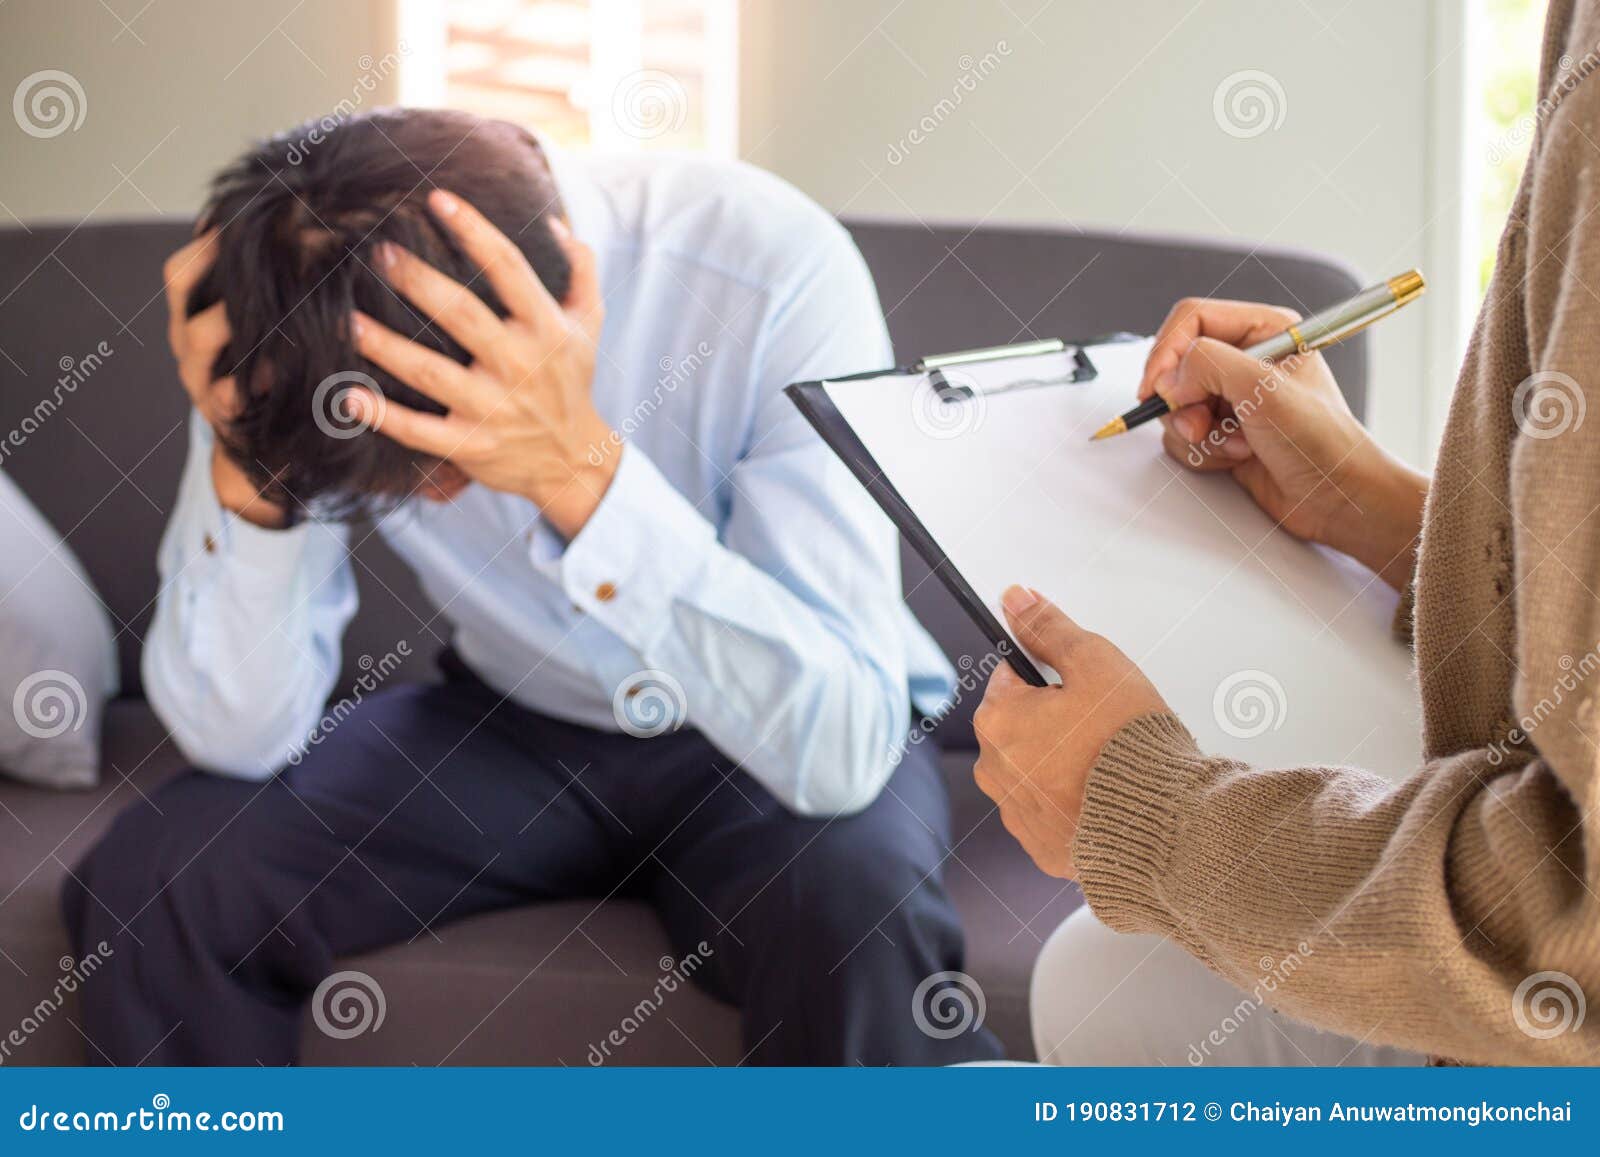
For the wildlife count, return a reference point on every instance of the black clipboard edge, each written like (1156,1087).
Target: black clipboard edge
(811,399)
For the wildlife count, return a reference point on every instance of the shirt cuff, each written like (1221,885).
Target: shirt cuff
(644,544)
(271,557)
(253,554)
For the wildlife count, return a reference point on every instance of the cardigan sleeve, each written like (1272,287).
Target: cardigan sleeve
(1455,914)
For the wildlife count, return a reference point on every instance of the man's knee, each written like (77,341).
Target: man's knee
(853,888)
(176,854)
(116,880)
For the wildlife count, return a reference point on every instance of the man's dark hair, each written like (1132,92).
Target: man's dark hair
(300,216)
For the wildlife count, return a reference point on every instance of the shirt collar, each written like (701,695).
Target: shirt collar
(588,211)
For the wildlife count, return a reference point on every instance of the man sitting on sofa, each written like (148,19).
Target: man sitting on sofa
(680,665)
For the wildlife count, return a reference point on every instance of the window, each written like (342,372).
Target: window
(614,74)
(1511,31)
(1484,71)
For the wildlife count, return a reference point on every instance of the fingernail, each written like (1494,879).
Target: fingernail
(1018,599)
(1165,384)
(1235,447)
(385,255)
(357,326)
(560,228)
(444,204)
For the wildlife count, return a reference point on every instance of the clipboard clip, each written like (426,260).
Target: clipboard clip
(948,390)
(992,353)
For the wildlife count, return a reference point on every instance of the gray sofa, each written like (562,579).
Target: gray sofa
(536,985)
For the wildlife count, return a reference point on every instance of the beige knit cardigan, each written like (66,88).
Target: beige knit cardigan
(1459,913)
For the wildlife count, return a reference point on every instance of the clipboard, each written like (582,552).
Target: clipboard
(1270,649)
(945,375)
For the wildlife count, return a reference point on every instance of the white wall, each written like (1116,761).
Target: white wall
(1089,112)
(1103,113)
(182,88)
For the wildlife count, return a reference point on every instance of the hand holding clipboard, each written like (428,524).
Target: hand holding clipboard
(1183,571)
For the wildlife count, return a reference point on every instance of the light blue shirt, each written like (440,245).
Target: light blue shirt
(735,578)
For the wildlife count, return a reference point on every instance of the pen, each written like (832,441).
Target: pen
(1316,332)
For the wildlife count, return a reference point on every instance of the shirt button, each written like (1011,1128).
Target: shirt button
(210,545)
(605,592)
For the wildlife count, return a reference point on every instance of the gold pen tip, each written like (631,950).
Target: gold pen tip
(1110,430)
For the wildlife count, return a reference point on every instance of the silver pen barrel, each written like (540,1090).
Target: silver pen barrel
(1366,306)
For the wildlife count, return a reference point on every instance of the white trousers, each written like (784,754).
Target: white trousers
(1100,998)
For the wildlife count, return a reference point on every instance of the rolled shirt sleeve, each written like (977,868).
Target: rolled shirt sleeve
(243,650)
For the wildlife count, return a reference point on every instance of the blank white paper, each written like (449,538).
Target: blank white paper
(1269,649)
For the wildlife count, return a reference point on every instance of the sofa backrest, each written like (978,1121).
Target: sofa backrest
(92,419)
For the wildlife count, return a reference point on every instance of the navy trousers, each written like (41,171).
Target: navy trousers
(228,901)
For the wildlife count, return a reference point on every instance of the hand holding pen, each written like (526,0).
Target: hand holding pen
(1295,335)
(1284,432)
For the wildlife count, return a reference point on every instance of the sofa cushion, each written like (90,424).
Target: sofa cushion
(546,984)
(58,664)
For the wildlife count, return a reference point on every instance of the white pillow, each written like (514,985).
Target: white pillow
(58,661)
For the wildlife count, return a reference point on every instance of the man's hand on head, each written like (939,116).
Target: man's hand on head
(521,417)
(196,343)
